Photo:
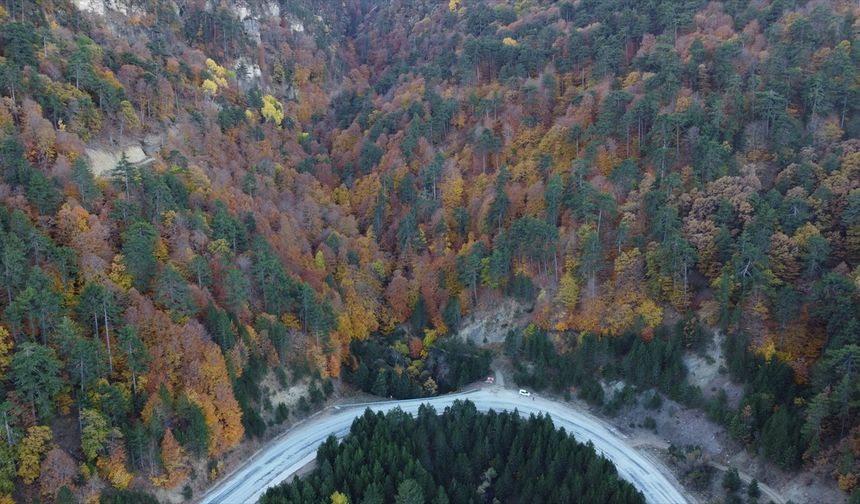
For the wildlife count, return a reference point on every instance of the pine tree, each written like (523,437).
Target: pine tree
(409,492)
(753,490)
(380,386)
(138,249)
(194,433)
(173,292)
(125,175)
(7,469)
(731,480)
(85,358)
(136,355)
(12,265)
(237,289)
(200,271)
(35,371)
(83,178)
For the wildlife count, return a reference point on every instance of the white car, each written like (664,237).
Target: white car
(525,393)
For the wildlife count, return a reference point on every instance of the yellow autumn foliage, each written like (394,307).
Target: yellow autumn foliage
(209,87)
(6,346)
(31,449)
(113,468)
(118,275)
(568,291)
(650,312)
(272,110)
(215,68)
(452,191)
(632,78)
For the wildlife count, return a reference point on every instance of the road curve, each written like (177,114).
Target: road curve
(297,447)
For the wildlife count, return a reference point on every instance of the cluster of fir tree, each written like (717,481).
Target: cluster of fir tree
(460,455)
(581,361)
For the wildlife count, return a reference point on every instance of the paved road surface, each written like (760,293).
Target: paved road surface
(297,447)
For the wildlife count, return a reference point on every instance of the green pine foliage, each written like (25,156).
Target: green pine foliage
(460,455)
(451,364)
(650,364)
(666,157)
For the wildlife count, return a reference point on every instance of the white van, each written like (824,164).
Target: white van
(525,393)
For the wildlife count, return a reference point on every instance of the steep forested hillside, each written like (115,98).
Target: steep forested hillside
(330,188)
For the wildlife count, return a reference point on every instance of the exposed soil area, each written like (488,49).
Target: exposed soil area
(102,161)
(492,320)
(289,396)
(709,372)
(104,158)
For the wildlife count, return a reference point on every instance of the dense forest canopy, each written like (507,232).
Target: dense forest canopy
(332,189)
(460,455)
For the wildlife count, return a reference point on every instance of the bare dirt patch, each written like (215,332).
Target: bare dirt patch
(675,424)
(492,321)
(102,161)
(289,396)
(709,372)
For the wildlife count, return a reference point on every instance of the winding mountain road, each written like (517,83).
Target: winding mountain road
(297,447)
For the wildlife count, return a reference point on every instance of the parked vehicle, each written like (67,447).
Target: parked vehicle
(525,393)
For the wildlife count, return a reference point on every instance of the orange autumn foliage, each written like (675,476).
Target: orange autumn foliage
(173,461)
(184,358)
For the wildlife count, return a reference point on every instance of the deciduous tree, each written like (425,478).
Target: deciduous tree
(58,470)
(31,449)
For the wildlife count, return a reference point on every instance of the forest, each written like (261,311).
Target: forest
(332,190)
(459,455)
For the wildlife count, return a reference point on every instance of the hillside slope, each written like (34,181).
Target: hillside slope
(334,186)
